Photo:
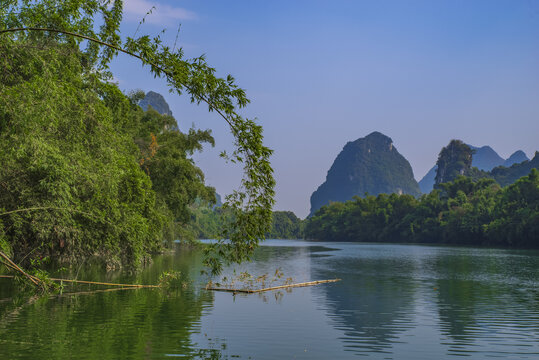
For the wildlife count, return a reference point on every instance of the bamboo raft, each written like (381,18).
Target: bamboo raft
(252,291)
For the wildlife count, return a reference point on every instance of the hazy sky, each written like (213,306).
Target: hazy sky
(322,73)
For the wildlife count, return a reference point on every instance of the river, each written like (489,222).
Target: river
(394,302)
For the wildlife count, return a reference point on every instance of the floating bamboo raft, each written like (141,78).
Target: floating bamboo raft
(251,291)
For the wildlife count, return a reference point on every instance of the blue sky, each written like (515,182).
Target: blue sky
(322,73)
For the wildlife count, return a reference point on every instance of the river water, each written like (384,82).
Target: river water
(394,302)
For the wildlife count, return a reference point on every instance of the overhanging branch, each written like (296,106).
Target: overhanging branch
(158,67)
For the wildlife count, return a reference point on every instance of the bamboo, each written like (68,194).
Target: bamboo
(91,292)
(32,278)
(251,291)
(92,282)
(167,72)
(105,283)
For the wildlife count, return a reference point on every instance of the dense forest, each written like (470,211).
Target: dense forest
(107,179)
(86,172)
(463,211)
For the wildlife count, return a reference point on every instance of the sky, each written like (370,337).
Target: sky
(322,73)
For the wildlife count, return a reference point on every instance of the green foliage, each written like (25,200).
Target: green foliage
(459,212)
(508,175)
(173,280)
(517,214)
(285,225)
(69,142)
(63,155)
(206,222)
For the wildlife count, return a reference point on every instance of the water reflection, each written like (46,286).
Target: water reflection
(373,303)
(479,305)
(444,301)
(138,324)
(394,302)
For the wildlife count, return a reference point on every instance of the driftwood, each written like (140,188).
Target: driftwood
(252,291)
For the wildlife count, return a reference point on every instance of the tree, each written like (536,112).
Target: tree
(62,28)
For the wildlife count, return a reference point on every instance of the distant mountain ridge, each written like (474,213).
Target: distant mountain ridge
(484,158)
(508,175)
(367,165)
(516,158)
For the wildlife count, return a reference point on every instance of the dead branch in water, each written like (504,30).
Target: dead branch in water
(15,267)
(90,282)
(251,291)
(104,283)
(38,282)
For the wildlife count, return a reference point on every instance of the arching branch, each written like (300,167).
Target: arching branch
(145,61)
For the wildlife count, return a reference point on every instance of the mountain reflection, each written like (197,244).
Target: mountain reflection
(373,303)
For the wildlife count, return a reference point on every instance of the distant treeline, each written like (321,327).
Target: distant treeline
(463,211)
(206,223)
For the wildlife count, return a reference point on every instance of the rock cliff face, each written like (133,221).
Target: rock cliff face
(426,184)
(157,102)
(484,158)
(455,159)
(368,165)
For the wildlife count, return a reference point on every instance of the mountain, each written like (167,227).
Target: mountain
(157,102)
(455,159)
(508,175)
(368,165)
(426,184)
(484,158)
(517,157)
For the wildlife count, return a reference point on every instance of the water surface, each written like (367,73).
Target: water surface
(394,302)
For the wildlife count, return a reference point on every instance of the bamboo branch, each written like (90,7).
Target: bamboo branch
(103,283)
(251,291)
(90,282)
(17,268)
(117,48)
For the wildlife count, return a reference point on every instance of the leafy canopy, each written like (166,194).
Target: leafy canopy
(91,29)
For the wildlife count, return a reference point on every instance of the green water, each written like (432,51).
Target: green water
(394,302)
